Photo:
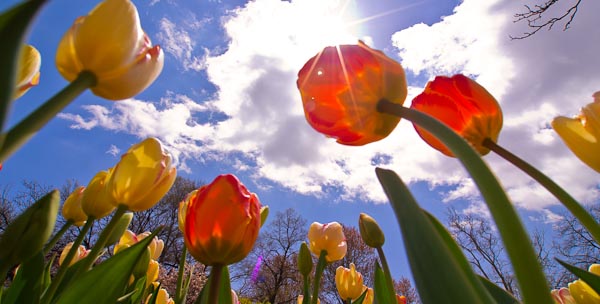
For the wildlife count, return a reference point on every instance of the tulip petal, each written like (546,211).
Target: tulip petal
(582,143)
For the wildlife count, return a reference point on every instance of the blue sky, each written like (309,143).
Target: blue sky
(226,102)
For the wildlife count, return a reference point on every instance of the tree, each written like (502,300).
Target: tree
(403,287)
(269,273)
(535,17)
(363,257)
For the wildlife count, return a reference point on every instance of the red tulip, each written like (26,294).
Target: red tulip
(222,221)
(464,106)
(341,87)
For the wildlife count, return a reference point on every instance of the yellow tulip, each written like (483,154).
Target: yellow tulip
(110,43)
(162,297)
(96,201)
(349,282)
(142,177)
(582,133)
(79,254)
(370,296)
(152,273)
(129,239)
(29,65)
(329,237)
(72,210)
(583,293)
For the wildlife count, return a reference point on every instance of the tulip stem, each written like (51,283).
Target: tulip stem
(528,271)
(179,297)
(215,280)
(565,198)
(57,236)
(26,128)
(318,274)
(306,290)
(388,274)
(49,294)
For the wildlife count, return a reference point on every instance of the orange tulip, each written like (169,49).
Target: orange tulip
(72,209)
(341,87)
(221,222)
(401,299)
(464,106)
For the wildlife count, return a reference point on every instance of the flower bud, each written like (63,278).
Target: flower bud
(222,222)
(120,228)
(29,65)
(79,254)
(162,297)
(110,43)
(264,213)
(349,282)
(400,299)
(370,296)
(305,262)
(96,201)
(329,237)
(142,177)
(370,231)
(72,210)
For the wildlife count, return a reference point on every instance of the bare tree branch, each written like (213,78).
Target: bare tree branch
(534,16)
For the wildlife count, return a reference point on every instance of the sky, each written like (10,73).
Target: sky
(227,102)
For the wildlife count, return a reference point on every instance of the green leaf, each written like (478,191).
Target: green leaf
(14,24)
(440,276)
(28,233)
(382,294)
(590,278)
(224,288)
(94,287)
(27,285)
(500,295)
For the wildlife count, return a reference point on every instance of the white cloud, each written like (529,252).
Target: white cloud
(177,41)
(113,150)
(265,132)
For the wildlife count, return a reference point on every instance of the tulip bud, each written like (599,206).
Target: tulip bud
(370,231)
(349,282)
(152,272)
(400,299)
(142,177)
(582,133)
(264,213)
(96,201)
(341,87)
(120,228)
(464,106)
(329,237)
(28,70)
(222,222)
(72,210)
(79,254)
(369,297)
(162,297)
(119,54)
(305,262)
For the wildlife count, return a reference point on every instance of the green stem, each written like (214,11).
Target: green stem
(306,289)
(584,217)
(25,129)
(527,268)
(180,298)
(101,242)
(49,293)
(57,237)
(349,301)
(388,274)
(318,274)
(215,280)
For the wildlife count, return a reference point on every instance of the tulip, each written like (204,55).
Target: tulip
(301,299)
(79,254)
(142,177)
(110,43)
(152,272)
(582,133)
(583,293)
(129,239)
(28,70)
(349,282)
(329,237)
(370,231)
(96,201)
(370,296)
(340,89)
(562,296)
(162,297)
(222,222)
(72,209)
(464,106)
(400,299)
(234,297)
(305,262)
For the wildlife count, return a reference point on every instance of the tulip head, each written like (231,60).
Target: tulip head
(162,297)
(582,133)
(583,293)
(370,231)
(349,282)
(96,201)
(400,299)
(464,106)
(370,296)
(119,54)
(341,87)
(29,65)
(72,209)
(305,262)
(562,296)
(143,176)
(222,222)
(79,254)
(129,239)
(329,237)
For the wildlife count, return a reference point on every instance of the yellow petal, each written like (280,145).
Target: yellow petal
(583,293)
(67,63)
(29,65)
(581,142)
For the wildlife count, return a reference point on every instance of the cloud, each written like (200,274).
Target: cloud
(255,123)
(177,41)
(113,150)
